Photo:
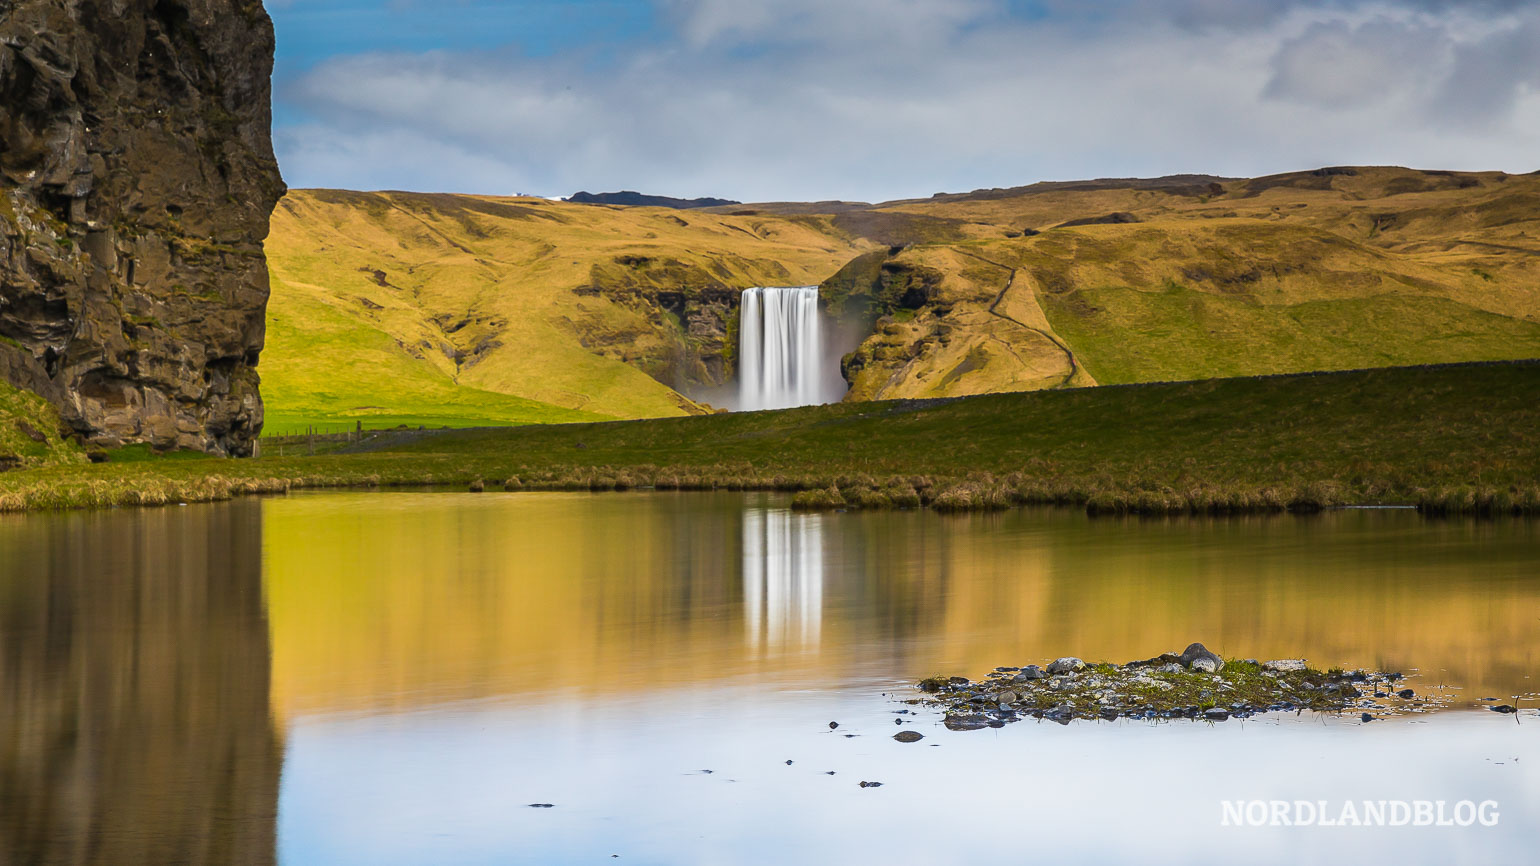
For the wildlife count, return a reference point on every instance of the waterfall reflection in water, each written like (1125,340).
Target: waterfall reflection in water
(782,579)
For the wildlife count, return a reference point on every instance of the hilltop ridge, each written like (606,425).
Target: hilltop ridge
(631,311)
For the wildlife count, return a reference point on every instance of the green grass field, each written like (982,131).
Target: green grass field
(1461,438)
(1123,335)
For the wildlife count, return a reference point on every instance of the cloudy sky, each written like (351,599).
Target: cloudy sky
(879,99)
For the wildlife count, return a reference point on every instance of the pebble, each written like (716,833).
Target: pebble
(1503,708)
(1284,665)
(871,784)
(909,736)
(1217,714)
(542,805)
(788,762)
(1407,693)
(1205,665)
(833,725)
(1367,718)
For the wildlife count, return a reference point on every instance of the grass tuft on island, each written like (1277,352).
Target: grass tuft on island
(1194,685)
(1455,439)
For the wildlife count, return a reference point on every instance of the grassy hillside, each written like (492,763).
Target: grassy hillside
(391,307)
(1459,437)
(29,432)
(396,307)
(1198,277)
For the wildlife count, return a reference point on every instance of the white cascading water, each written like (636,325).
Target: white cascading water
(779,348)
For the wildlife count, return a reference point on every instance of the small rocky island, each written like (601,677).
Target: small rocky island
(1193,684)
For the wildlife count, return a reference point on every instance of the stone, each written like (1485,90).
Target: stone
(1504,708)
(871,784)
(1217,714)
(909,736)
(30,432)
(1173,668)
(1284,665)
(1366,717)
(1030,672)
(833,725)
(1205,666)
(969,722)
(136,182)
(1007,697)
(1198,652)
(1068,664)
(1406,693)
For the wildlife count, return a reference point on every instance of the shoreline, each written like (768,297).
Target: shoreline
(145,485)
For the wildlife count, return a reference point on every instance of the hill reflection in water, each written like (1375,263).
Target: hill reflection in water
(406,600)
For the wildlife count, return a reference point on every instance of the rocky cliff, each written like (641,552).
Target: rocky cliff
(136,181)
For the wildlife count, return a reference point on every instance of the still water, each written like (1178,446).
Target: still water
(394,678)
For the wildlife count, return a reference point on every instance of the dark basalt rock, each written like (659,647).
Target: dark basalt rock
(1197,651)
(136,180)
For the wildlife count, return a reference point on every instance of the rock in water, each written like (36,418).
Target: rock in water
(909,736)
(1198,653)
(1068,664)
(136,181)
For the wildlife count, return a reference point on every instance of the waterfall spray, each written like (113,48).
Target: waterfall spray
(779,348)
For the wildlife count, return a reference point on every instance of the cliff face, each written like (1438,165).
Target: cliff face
(136,181)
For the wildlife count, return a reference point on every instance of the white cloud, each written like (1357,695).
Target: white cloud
(1337,65)
(875,99)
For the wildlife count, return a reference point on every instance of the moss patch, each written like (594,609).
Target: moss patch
(1162,689)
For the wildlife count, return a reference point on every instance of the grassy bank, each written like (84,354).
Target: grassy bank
(1454,439)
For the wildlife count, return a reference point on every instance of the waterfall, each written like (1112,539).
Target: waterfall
(779,348)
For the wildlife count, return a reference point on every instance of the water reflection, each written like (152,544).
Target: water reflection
(782,579)
(408,600)
(134,724)
(433,662)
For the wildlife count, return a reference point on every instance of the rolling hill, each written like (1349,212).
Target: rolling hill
(437,309)
(404,308)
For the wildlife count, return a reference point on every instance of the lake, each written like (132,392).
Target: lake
(383,678)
